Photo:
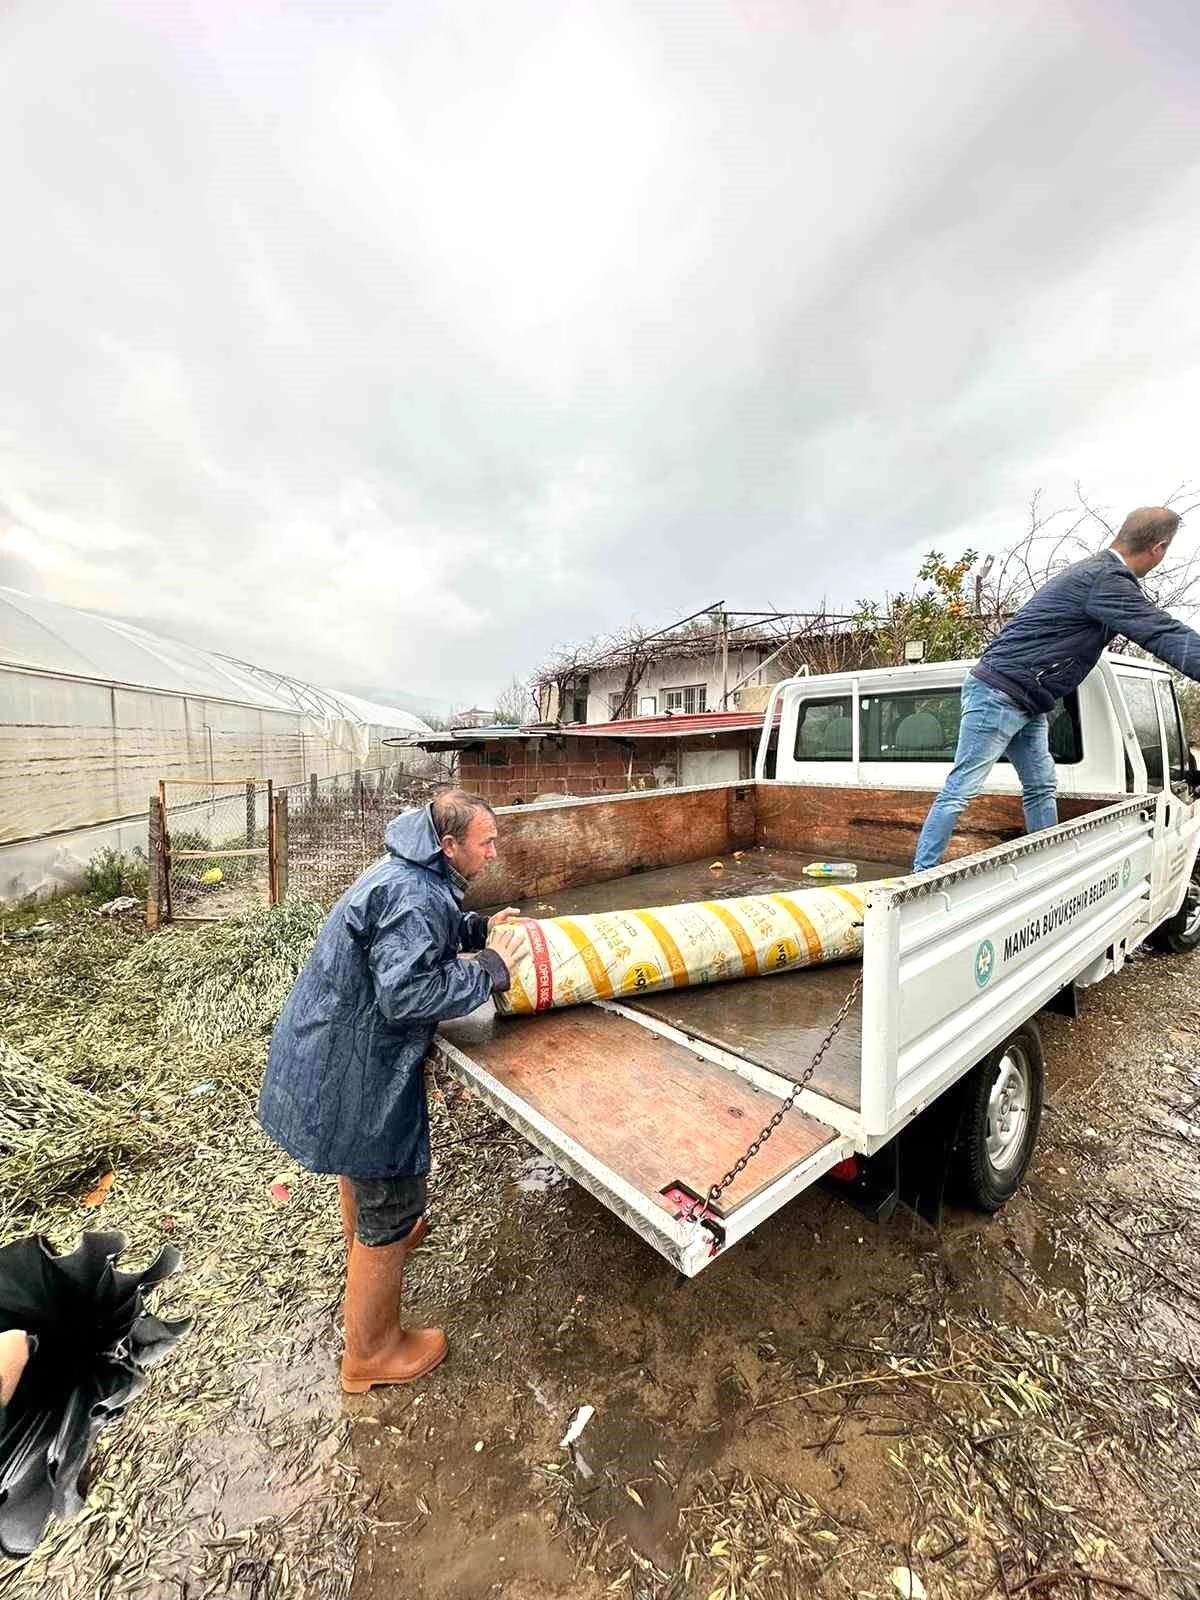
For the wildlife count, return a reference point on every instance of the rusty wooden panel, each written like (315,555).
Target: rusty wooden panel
(755,870)
(644,1106)
(883,824)
(543,849)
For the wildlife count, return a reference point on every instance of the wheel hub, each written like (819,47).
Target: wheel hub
(1008,1110)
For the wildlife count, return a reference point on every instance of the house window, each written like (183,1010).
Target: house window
(577,699)
(616,702)
(648,705)
(689,699)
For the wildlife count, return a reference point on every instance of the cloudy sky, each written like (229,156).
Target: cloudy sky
(393,342)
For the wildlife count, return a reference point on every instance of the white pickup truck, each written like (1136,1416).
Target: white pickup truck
(649,1102)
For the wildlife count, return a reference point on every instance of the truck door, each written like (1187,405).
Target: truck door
(1175,745)
(1154,712)
(1137,688)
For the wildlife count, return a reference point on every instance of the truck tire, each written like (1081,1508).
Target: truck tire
(999,1121)
(1181,933)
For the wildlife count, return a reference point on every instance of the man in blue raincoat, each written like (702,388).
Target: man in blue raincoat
(344,1090)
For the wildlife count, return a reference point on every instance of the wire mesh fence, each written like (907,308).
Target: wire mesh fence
(217,848)
(335,826)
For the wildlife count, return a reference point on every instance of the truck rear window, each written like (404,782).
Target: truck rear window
(824,730)
(910,725)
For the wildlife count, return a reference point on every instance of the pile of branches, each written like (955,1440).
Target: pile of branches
(57,1138)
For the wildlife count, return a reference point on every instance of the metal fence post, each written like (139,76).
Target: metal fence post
(279,846)
(251,813)
(312,790)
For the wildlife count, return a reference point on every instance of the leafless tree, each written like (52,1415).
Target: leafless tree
(516,704)
(822,640)
(1054,539)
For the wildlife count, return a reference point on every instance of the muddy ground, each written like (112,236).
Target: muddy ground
(983,1402)
(998,1406)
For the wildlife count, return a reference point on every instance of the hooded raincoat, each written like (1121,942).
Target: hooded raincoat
(344,1089)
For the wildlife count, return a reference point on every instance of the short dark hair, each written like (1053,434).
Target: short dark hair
(452,811)
(1146,527)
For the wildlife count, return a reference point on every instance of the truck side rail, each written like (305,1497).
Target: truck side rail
(956,959)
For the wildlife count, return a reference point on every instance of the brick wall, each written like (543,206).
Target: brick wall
(510,772)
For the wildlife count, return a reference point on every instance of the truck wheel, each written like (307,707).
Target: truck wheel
(1181,933)
(998,1128)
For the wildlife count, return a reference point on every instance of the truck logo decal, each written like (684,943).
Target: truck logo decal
(1126,870)
(985,961)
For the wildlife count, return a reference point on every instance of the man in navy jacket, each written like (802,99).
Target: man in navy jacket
(344,1090)
(1047,650)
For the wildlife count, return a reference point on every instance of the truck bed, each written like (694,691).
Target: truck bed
(775,1023)
(647,1105)
(652,1114)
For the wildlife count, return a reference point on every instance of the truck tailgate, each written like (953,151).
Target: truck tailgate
(641,1120)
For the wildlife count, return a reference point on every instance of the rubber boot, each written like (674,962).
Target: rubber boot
(378,1348)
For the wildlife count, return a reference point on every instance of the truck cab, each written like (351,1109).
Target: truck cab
(1121,732)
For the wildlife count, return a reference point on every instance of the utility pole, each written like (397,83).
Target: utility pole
(724,660)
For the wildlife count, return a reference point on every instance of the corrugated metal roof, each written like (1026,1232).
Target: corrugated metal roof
(664,726)
(669,725)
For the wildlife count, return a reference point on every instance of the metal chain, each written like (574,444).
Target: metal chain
(740,1165)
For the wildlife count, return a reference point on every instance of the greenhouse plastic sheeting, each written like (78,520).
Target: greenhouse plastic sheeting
(94,712)
(567,961)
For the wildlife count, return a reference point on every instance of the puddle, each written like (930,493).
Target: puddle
(243,1480)
(267,1458)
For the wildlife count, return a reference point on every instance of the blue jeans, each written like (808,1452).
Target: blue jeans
(991,724)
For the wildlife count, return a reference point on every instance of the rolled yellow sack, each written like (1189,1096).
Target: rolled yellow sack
(567,961)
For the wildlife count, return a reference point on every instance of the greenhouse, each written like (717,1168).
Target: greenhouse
(95,713)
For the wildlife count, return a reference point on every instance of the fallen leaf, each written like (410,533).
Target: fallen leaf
(907,1584)
(98,1195)
(635,1496)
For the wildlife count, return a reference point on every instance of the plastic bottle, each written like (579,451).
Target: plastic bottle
(831,869)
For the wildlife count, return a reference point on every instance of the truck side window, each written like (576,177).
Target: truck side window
(1169,706)
(1066,740)
(1143,712)
(824,730)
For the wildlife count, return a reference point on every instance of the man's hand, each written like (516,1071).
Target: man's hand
(509,914)
(509,943)
(14,1353)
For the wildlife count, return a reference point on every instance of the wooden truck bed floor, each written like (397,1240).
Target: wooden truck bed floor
(648,1106)
(775,1022)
